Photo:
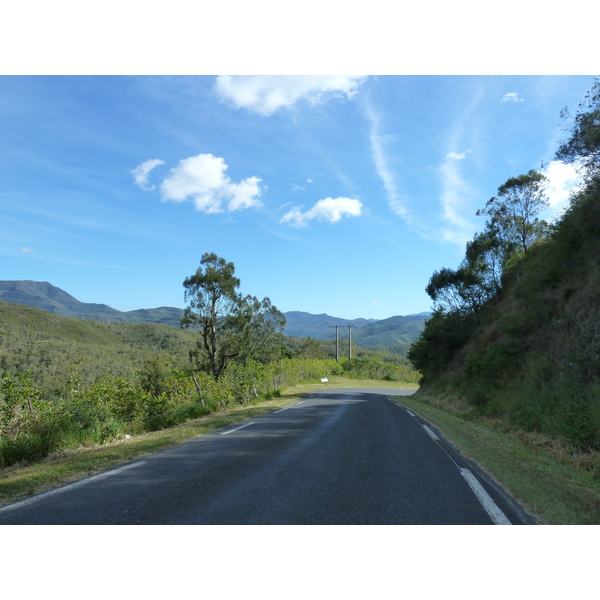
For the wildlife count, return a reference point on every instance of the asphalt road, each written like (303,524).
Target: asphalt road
(345,456)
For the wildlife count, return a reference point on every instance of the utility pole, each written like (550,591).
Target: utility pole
(337,345)
(350,339)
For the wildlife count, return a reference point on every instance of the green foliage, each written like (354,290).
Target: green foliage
(376,368)
(445,334)
(232,326)
(152,399)
(513,213)
(48,345)
(20,406)
(584,144)
(530,354)
(312,348)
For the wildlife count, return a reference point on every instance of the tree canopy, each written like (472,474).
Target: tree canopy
(584,144)
(514,212)
(232,326)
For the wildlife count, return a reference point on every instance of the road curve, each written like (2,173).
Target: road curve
(340,456)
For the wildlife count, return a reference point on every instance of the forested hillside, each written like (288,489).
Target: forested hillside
(516,329)
(393,335)
(52,347)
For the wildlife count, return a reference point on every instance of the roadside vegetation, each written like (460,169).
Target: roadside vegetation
(67,384)
(514,339)
(69,464)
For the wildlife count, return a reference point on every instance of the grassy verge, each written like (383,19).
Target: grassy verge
(554,484)
(20,481)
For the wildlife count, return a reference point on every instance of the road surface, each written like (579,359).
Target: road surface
(340,456)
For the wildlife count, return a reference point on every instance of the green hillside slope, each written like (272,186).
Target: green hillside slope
(525,350)
(51,347)
(303,324)
(393,335)
(399,331)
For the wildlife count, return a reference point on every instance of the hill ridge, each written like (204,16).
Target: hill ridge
(393,331)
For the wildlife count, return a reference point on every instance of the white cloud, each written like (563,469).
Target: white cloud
(244,194)
(563,179)
(202,179)
(27,250)
(457,156)
(512,97)
(265,94)
(376,302)
(140,173)
(329,209)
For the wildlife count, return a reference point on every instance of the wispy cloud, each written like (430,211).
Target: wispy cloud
(458,196)
(457,156)
(27,250)
(456,190)
(396,201)
(329,209)
(295,187)
(511,97)
(266,94)
(142,172)
(202,180)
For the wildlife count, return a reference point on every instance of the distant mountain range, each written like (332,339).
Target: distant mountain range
(396,331)
(48,297)
(383,334)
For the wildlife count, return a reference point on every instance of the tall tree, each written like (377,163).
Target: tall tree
(584,143)
(514,212)
(231,326)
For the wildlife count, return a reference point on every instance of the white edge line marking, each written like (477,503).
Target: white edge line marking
(412,414)
(285,408)
(497,516)
(70,486)
(490,507)
(237,428)
(431,434)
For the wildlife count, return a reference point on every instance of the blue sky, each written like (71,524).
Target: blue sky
(337,195)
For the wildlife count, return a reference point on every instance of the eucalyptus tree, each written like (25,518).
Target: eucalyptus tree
(584,144)
(231,326)
(514,211)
